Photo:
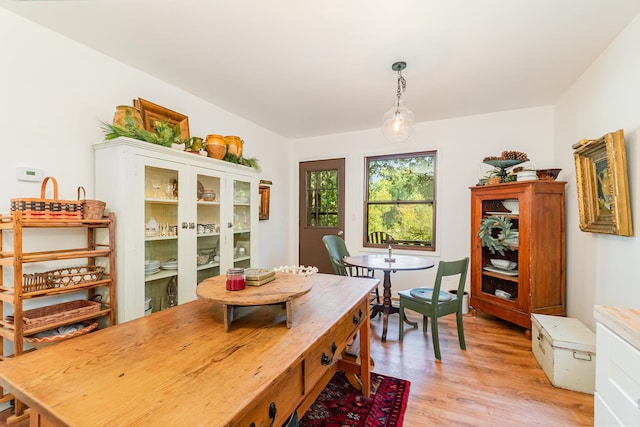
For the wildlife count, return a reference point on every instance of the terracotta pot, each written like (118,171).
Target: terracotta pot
(234,145)
(121,114)
(215,146)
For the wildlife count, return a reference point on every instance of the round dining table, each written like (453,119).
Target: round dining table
(388,265)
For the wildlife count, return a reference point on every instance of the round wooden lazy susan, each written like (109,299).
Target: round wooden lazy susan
(284,289)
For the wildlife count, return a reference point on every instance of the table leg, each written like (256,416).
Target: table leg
(227,311)
(385,308)
(289,314)
(407,321)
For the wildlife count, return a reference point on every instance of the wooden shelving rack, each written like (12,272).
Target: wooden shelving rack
(14,295)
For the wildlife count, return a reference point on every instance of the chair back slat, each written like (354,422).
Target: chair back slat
(379,238)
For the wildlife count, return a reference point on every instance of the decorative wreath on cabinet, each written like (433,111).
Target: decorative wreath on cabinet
(498,243)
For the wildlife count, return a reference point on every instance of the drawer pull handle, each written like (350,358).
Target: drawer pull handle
(358,318)
(272,413)
(326,360)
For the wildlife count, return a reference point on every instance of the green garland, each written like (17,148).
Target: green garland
(496,244)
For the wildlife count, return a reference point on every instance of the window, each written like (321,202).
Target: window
(322,198)
(400,201)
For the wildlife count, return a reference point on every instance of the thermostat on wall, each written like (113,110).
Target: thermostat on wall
(29,174)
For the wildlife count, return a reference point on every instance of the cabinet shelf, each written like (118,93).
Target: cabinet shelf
(161,201)
(499,300)
(208,265)
(500,276)
(7,222)
(8,258)
(6,294)
(155,238)
(69,321)
(162,274)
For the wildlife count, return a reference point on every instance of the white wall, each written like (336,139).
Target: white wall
(602,269)
(54,93)
(461,143)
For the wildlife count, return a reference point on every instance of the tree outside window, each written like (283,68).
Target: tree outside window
(400,200)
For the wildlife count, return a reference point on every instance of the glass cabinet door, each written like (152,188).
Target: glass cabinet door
(500,261)
(161,230)
(242,222)
(208,194)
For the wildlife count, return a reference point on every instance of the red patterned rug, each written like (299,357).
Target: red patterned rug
(342,405)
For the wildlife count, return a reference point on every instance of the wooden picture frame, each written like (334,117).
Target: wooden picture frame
(265,199)
(151,113)
(603,189)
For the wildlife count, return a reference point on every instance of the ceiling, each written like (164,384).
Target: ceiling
(306,68)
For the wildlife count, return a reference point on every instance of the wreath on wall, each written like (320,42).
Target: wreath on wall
(498,243)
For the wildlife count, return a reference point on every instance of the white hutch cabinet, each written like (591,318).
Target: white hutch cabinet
(182,218)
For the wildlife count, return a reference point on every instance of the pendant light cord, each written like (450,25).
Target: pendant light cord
(402,85)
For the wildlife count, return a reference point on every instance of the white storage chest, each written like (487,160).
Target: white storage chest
(566,350)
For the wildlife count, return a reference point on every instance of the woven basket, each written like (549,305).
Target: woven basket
(92,209)
(69,276)
(61,278)
(34,282)
(56,313)
(43,341)
(48,209)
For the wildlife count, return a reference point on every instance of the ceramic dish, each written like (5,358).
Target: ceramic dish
(503,264)
(169,265)
(502,294)
(512,205)
(501,271)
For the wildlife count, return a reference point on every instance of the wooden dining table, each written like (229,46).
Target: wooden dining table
(180,367)
(388,265)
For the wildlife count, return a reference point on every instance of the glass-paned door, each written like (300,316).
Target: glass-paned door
(208,194)
(321,209)
(161,231)
(242,221)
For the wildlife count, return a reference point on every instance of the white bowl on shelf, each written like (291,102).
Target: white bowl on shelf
(502,294)
(512,205)
(503,264)
(527,175)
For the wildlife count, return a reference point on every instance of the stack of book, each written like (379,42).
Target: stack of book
(259,276)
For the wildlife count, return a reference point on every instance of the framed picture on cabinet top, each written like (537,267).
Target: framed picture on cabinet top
(603,189)
(152,113)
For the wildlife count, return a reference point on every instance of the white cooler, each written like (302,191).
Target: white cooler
(566,350)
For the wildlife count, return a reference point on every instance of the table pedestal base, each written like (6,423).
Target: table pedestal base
(229,311)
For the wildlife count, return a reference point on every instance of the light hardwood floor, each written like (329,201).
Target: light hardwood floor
(495,382)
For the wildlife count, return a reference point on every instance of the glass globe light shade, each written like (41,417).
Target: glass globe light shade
(398,123)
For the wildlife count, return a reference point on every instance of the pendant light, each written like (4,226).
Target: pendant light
(399,122)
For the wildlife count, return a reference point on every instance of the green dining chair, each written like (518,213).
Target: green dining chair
(337,249)
(434,303)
